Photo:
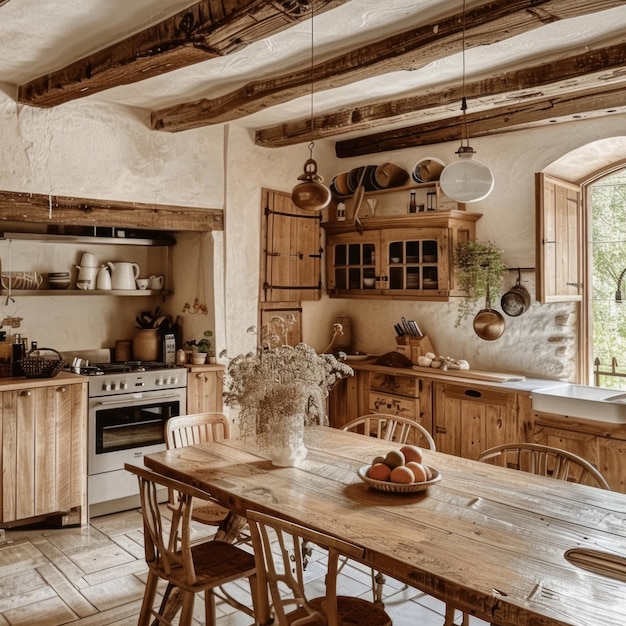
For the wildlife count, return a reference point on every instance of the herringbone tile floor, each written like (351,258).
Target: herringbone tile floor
(95,576)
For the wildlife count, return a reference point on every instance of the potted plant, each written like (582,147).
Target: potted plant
(202,349)
(479,270)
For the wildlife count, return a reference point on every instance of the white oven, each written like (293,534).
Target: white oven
(127,416)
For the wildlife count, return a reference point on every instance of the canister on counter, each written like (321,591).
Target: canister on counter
(123,349)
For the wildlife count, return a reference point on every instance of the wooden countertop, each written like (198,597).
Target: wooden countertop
(21,382)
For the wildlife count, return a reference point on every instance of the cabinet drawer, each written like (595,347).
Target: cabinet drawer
(396,385)
(395,405)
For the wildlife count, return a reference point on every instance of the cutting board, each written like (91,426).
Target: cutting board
(496,377)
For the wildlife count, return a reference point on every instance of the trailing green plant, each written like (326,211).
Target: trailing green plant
(479,270)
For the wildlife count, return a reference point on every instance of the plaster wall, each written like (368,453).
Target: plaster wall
(108,152)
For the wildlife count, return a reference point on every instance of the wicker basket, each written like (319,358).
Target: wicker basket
(41,366)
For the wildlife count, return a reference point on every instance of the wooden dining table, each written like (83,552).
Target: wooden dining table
(507,546)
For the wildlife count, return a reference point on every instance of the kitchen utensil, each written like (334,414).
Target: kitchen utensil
(42,366)
(155,282)
(86,277)
(88,260)
(516,300)
(415,328)
(103,280)
(142,283)
(399,330)
(488,324)
(123,275)
(407,329)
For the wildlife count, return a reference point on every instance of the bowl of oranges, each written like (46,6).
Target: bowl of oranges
(400,471)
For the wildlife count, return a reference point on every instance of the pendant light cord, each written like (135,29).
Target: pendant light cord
(312,143)
(465,134)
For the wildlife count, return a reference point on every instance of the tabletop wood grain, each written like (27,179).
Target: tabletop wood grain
(488,539)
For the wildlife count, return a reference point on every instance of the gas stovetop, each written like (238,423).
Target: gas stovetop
(99,369)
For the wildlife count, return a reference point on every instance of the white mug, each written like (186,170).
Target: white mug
(88,260)
(142,283)
(155,282)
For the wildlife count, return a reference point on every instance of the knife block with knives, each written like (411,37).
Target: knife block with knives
(414,347)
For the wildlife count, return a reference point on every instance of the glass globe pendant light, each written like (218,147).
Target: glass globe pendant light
(311,194)
(466,180)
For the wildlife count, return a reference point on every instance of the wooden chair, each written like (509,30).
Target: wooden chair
(545,461)
(392,428)
(278,552)
(188,430)
(187,568)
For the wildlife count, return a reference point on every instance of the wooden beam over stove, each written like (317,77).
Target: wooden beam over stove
(596,69)
(486,24)
(206,30)
(41,209)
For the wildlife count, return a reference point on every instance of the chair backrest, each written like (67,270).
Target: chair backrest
(545,461)
(167,543)
(392,428)
(187,430)
(278,553)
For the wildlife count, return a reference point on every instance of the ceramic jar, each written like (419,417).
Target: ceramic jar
(147,345)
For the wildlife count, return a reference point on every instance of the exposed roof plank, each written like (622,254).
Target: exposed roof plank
(563,108)
(486,24)
(591,68)
(205,30)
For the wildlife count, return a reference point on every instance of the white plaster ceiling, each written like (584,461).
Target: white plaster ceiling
(37,37)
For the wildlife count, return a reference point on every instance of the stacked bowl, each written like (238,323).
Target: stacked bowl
(59,280)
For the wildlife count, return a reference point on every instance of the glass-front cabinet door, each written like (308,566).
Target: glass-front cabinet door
(416,262)
(353,263)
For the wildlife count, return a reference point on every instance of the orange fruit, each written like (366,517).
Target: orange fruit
(378,459)
(379,471)
(412,453)
(402,474)
(429,473)
(419,471)
(394,458)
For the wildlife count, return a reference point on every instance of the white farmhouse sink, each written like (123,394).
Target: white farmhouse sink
(591,403)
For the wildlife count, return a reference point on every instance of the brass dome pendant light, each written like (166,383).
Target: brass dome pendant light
(311,194)
(466,180)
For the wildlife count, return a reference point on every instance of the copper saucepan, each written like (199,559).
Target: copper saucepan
(488,323)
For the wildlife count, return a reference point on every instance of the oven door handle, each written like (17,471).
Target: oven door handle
(136,400)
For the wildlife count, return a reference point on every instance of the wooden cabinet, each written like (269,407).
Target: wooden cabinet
(381,390)
(468,420)
(205,387)
(603,445)
(43,429)
(396,256)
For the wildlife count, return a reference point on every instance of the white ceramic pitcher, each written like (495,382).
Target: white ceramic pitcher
(123,275)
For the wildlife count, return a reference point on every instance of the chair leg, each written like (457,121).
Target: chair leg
(148,600)
(209,608)
(186,615)
(378,582)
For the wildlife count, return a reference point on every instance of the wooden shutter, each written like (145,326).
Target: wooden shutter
(560,240)
(290,250)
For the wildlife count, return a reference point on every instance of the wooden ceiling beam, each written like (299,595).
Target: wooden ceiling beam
(567,107)
(206,30)
(589,69)
(486,24)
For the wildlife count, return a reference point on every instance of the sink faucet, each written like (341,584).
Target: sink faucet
(618,293)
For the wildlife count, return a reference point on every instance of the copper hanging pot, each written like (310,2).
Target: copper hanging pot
(488,323)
